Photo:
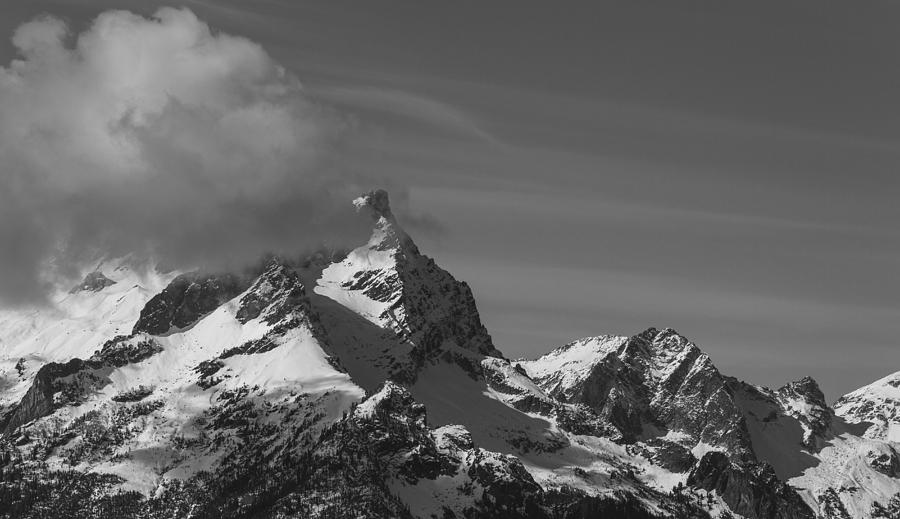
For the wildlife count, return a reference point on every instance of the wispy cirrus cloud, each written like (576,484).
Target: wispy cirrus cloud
(413,107)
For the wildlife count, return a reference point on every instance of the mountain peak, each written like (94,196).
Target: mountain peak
(653,334)
(388,235)
(808,387)
(377,202)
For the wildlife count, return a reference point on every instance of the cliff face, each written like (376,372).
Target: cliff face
(39,400)
(647,385)
(187,298)
(754,491)
(392,285)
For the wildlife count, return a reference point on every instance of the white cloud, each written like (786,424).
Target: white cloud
(155,133)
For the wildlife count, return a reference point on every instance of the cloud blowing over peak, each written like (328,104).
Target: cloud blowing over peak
(158,136)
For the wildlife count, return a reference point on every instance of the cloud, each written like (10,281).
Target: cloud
(413,107)
(158,136)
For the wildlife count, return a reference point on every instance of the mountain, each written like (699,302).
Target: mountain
(364,384)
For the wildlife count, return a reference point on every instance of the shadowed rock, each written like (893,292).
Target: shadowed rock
(754,492)
(187,298)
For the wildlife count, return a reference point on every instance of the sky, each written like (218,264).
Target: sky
(725,169)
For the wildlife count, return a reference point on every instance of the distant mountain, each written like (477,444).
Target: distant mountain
(364,384)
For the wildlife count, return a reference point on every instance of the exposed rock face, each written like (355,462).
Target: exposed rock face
(890,510)
(804,401)
(56,385)
(273,295)
(668,454)
(884,459)
(689,393)
(390,283)
(93,282)
(663,396)
(39,401)
(518,390)
(651,383)
(187,298)
(831,505)
(877,405)
(277,298)
(504,483)
(752,491)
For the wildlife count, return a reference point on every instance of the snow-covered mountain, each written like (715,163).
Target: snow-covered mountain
(365,385)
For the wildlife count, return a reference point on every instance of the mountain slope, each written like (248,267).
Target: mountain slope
(877,404)
(149,408)
(75,323)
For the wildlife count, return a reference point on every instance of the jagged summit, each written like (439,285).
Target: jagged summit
(387,235)
(804,400)
(391,284)
(377,202)
(807,387)
(653,332)
(645,385)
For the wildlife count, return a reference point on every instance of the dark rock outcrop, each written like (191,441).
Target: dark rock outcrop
(187,298)
(123,350)
(669,455)
(658,381)
(428,305)
(804,400)
(752,490)
(59,384)
(39,399)
(885,460)
(275,293)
